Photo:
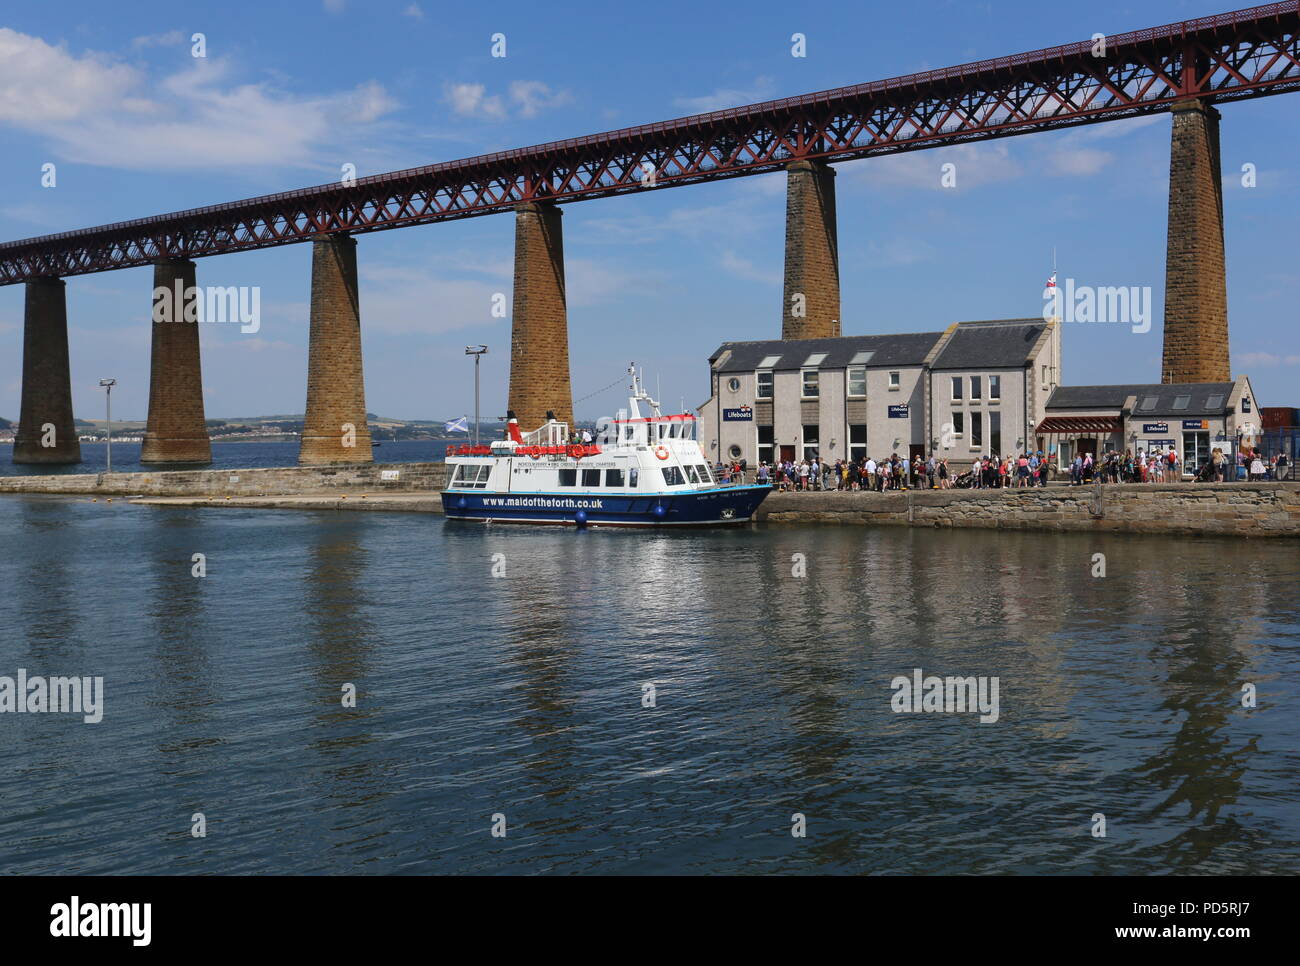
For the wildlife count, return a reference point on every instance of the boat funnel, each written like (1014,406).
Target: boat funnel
(512,426)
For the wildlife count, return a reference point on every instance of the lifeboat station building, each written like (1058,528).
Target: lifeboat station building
(974,389)
(1194,418)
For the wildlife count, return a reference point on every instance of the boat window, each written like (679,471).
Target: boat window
(705,475)
(568,477)
(459,475)
(591,477)
(633,477)
(673,476)
(484,472)
(613,477)
(691,475)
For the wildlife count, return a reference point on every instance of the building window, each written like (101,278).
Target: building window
(766,439)
(1182,402)
(734,451)
(975,387)
(959,424)
(976,430)
(995,431)
(764,386)
(810,383)
(811,440)
(1214,402)
(957,384)
(857,381)
(1148,403)
(995,387)
(858,441)
(815,360)
(733,384)
(894,380)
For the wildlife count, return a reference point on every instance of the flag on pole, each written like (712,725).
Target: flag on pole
(458,425)
(1051,282)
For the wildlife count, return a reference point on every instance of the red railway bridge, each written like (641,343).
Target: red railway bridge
(1184,68)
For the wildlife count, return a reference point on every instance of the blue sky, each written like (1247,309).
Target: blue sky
(288,93)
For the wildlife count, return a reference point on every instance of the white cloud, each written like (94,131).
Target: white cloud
(974,165)
(471,100)
(1263,359)
(743,268)
(169,39)
(95,111)
(536,96)
(414,12)
(725,97)
(529,98)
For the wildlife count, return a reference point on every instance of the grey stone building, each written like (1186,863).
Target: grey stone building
(977,387)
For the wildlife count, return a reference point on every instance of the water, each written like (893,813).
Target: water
(522,695)
(225,456)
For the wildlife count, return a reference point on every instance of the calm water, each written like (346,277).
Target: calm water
(522,695)
(225,456)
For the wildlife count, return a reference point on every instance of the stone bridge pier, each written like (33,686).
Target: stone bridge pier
(46,432)
(176,431)
(811,307)
(539,341)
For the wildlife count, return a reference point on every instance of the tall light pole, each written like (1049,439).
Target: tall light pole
(108,385)
(477,351)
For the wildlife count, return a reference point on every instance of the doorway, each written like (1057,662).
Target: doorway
(787,453)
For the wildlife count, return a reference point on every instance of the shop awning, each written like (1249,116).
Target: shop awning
(1081,424)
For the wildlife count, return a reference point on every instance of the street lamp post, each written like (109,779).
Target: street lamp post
(477,351)
(108,385)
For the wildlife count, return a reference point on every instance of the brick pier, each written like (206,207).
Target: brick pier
(812,255)
(336,391)
(539,342)
(46,412)
(1196,288)
(175,431)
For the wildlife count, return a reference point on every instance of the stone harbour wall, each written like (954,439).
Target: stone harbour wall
(269,481)
(1229,509)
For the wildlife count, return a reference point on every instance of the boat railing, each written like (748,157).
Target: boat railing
(551,434)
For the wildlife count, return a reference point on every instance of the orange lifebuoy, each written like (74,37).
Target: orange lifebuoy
(575,451)
(661,452)
(535,452)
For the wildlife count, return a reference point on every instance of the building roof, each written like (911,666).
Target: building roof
(997,344)
(1200,394)
(904,349)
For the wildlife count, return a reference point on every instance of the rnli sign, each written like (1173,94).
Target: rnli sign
(1196,424)
(1155,427)
(742,415)
(898,412)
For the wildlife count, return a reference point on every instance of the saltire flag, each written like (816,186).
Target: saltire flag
(458,425)
(1051,282)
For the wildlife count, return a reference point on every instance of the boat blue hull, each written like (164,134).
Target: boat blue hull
(715,507)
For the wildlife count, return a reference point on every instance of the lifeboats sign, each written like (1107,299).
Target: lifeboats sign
(898,412)
(1155,427)
(742,415)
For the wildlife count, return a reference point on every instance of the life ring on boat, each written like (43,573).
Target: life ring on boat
(535,452)
(661,452)
(575,451)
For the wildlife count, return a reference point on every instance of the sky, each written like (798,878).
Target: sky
(287,93)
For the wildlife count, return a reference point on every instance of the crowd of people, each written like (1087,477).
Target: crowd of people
(1029,469)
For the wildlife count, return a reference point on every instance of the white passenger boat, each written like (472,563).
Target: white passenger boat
(641,471)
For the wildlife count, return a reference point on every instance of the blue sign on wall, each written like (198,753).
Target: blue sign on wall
(1195,424)
(742,415)
(898,412)
(1155,427)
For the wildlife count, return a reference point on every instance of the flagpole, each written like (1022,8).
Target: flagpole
(477,353)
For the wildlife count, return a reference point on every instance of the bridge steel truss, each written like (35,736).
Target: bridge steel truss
(1246,53)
